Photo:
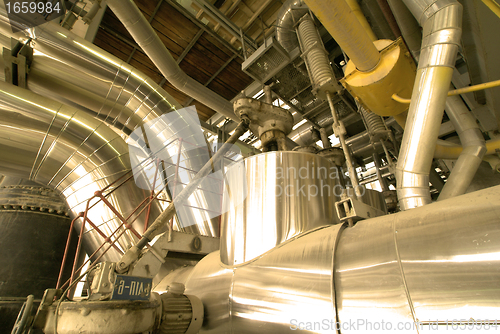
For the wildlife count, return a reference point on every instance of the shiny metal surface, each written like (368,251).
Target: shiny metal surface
(274,197)
(436,263)
(288,15)
(474,148)
(289,285)
(421,266)
(441,22)
(75,72)
(69,151)
(142,32)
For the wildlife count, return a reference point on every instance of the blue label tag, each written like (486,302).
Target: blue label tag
(132,288)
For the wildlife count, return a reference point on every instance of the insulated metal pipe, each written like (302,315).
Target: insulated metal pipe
(408,25)
(71,152)
(288,16)
(353,4)
(75,72)
(441,21)
(144,35)
(474,149)
(409,269)
(347,31)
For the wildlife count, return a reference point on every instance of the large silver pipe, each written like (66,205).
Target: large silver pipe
(288,16)
(69,151)
(474,149)
(142,32)
(433,264)
(441,21)
(75,72)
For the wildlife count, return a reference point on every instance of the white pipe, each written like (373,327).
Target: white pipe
(142,32)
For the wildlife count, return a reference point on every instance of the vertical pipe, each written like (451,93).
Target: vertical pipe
(474,149)
(381,180)
(324,138)
(410,30)
(386,10)
(441,21)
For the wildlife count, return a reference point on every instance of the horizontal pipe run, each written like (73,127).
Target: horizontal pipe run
(470,89)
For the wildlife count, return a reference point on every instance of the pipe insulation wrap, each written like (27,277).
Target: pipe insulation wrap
(142,32)
(315,53)
(288,15)
(441,21)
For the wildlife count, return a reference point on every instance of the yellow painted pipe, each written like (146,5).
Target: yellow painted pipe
(353,4)
(343,25)
(454,92)
(495,7)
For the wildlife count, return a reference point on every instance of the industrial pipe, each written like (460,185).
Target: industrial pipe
(144,35)
(417,269)
(347,31)
(474,149)
(454,92)
(133,253)
(441,21)
(493,6)
(71,152)
(409,27)
(77,73)
(354,6)
(288,16)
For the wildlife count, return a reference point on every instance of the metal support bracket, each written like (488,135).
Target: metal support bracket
(354,210)
(17,61)
(150,262)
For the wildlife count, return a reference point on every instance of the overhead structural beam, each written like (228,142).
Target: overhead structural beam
(200,25)
(190,46)
(256,14)
(213,77)
(229,25)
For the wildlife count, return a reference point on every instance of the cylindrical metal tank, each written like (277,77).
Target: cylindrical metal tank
(33,231)
(417,270)
(274,197)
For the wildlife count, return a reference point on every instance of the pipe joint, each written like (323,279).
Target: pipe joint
(413,190)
